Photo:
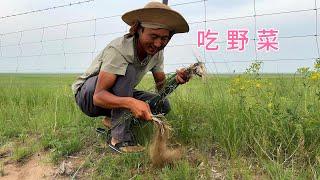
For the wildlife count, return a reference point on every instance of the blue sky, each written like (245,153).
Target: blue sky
(72,53)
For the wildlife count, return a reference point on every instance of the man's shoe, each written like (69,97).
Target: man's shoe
(126,147)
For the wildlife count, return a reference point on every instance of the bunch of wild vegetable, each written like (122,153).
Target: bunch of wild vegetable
(159,152)
(171,84)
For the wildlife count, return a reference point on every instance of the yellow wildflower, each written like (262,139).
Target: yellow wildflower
(315,76)
(258,85)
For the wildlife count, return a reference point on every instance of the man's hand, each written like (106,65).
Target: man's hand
(103,98)
(140,109)
(182,76)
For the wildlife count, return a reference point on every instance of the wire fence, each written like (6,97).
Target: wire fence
(46,9)
(15,57)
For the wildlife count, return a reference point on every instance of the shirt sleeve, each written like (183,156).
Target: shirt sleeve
(159,67)
(113,62)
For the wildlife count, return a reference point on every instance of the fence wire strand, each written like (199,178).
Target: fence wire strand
(46,9)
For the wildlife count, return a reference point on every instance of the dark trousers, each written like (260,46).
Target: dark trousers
(123,87)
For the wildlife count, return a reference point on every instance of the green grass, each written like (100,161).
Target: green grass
(266,126)
(2,173)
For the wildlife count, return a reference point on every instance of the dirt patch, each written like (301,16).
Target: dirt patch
(39,166)
(34,168)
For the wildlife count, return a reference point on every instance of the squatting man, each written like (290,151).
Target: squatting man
(107,88)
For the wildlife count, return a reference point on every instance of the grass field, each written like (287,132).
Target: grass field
(230,126)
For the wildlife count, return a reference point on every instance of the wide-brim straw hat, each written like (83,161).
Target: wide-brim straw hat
(157,13)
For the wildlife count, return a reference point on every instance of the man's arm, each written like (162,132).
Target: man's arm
(159,79)
(103,98)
